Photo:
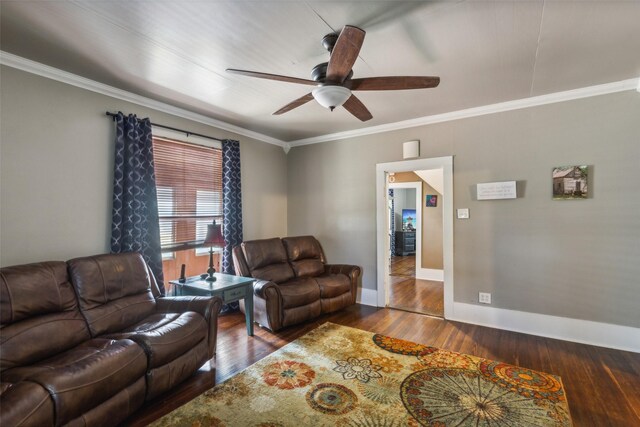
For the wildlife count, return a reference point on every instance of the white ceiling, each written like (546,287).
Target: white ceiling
(485,52)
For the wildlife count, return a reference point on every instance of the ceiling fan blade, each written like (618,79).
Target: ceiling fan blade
(393,83)
(294,104)
(344,53)
(357,108)
(273,77)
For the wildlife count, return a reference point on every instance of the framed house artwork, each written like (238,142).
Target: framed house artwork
(570,182)
(431,201)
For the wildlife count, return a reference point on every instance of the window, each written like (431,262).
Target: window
(165,209)
(206,204)
(189,188)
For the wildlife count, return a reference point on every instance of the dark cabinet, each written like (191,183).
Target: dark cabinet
(405,242)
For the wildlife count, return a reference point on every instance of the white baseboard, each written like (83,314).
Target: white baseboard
(563,328)
(367,297)
(430,274)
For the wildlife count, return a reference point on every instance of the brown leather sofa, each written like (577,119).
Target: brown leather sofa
(295,284)
(87,342)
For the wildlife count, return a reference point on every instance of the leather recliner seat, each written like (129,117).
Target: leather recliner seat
(52,370)
(295,284)
(92,351)
(120,299)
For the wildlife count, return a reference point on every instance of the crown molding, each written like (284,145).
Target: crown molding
(52,73)
(37,68)
(518,104)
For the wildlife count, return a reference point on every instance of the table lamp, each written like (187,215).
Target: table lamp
(214,239)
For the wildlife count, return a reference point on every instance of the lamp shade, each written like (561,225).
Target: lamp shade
(331,96)
(214,236)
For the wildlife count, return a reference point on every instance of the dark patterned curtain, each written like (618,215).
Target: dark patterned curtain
(232,206)
(232,201)
(134,224)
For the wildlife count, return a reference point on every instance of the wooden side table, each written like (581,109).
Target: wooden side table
(228,287)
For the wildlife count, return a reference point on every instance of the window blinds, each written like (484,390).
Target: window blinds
(189,188)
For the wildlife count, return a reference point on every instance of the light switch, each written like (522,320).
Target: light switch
(463,213)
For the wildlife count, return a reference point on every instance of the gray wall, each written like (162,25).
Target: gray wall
(577,259)
(568,258)
(56,170)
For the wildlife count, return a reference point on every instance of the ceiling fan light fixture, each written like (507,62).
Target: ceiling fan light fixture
(331,96)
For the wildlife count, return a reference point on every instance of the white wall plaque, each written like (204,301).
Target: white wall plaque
(497,190)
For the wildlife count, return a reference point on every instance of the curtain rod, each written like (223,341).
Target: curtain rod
(188,133)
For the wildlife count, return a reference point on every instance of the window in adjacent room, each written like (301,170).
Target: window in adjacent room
(189,188)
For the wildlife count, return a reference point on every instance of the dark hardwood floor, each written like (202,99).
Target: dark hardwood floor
(411,294)
(602,385)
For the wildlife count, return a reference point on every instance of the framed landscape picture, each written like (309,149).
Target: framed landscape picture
(570,182)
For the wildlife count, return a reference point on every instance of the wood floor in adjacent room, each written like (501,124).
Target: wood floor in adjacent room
(411,294)
(602,385)
(403,266)
(416,295)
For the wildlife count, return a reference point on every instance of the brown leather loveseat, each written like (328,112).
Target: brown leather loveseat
(87,342)
(295,284)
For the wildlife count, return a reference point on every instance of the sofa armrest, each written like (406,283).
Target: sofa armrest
(265,289)
(352,271)
(267,304)
(208,307)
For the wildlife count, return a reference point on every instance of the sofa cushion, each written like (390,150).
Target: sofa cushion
(25,404)
(332,285)
(166,336)
(85,376)
(299,292)
(267,260)
(39,313)
(307,267)
(305,255)
(114,290)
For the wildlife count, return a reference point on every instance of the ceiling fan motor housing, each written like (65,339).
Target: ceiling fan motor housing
(329,41)
(319,73)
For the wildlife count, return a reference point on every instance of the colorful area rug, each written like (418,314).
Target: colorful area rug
(340,376)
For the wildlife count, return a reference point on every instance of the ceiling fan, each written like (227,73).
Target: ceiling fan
(334,78)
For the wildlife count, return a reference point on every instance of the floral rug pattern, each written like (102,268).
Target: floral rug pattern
(341,376)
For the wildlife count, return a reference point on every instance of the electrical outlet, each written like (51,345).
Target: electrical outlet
(484,297)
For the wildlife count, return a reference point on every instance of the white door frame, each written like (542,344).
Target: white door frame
(382,170)
(418,187)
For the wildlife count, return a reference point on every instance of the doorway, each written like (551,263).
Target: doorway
(405,225)
(397,286)
(415,242)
